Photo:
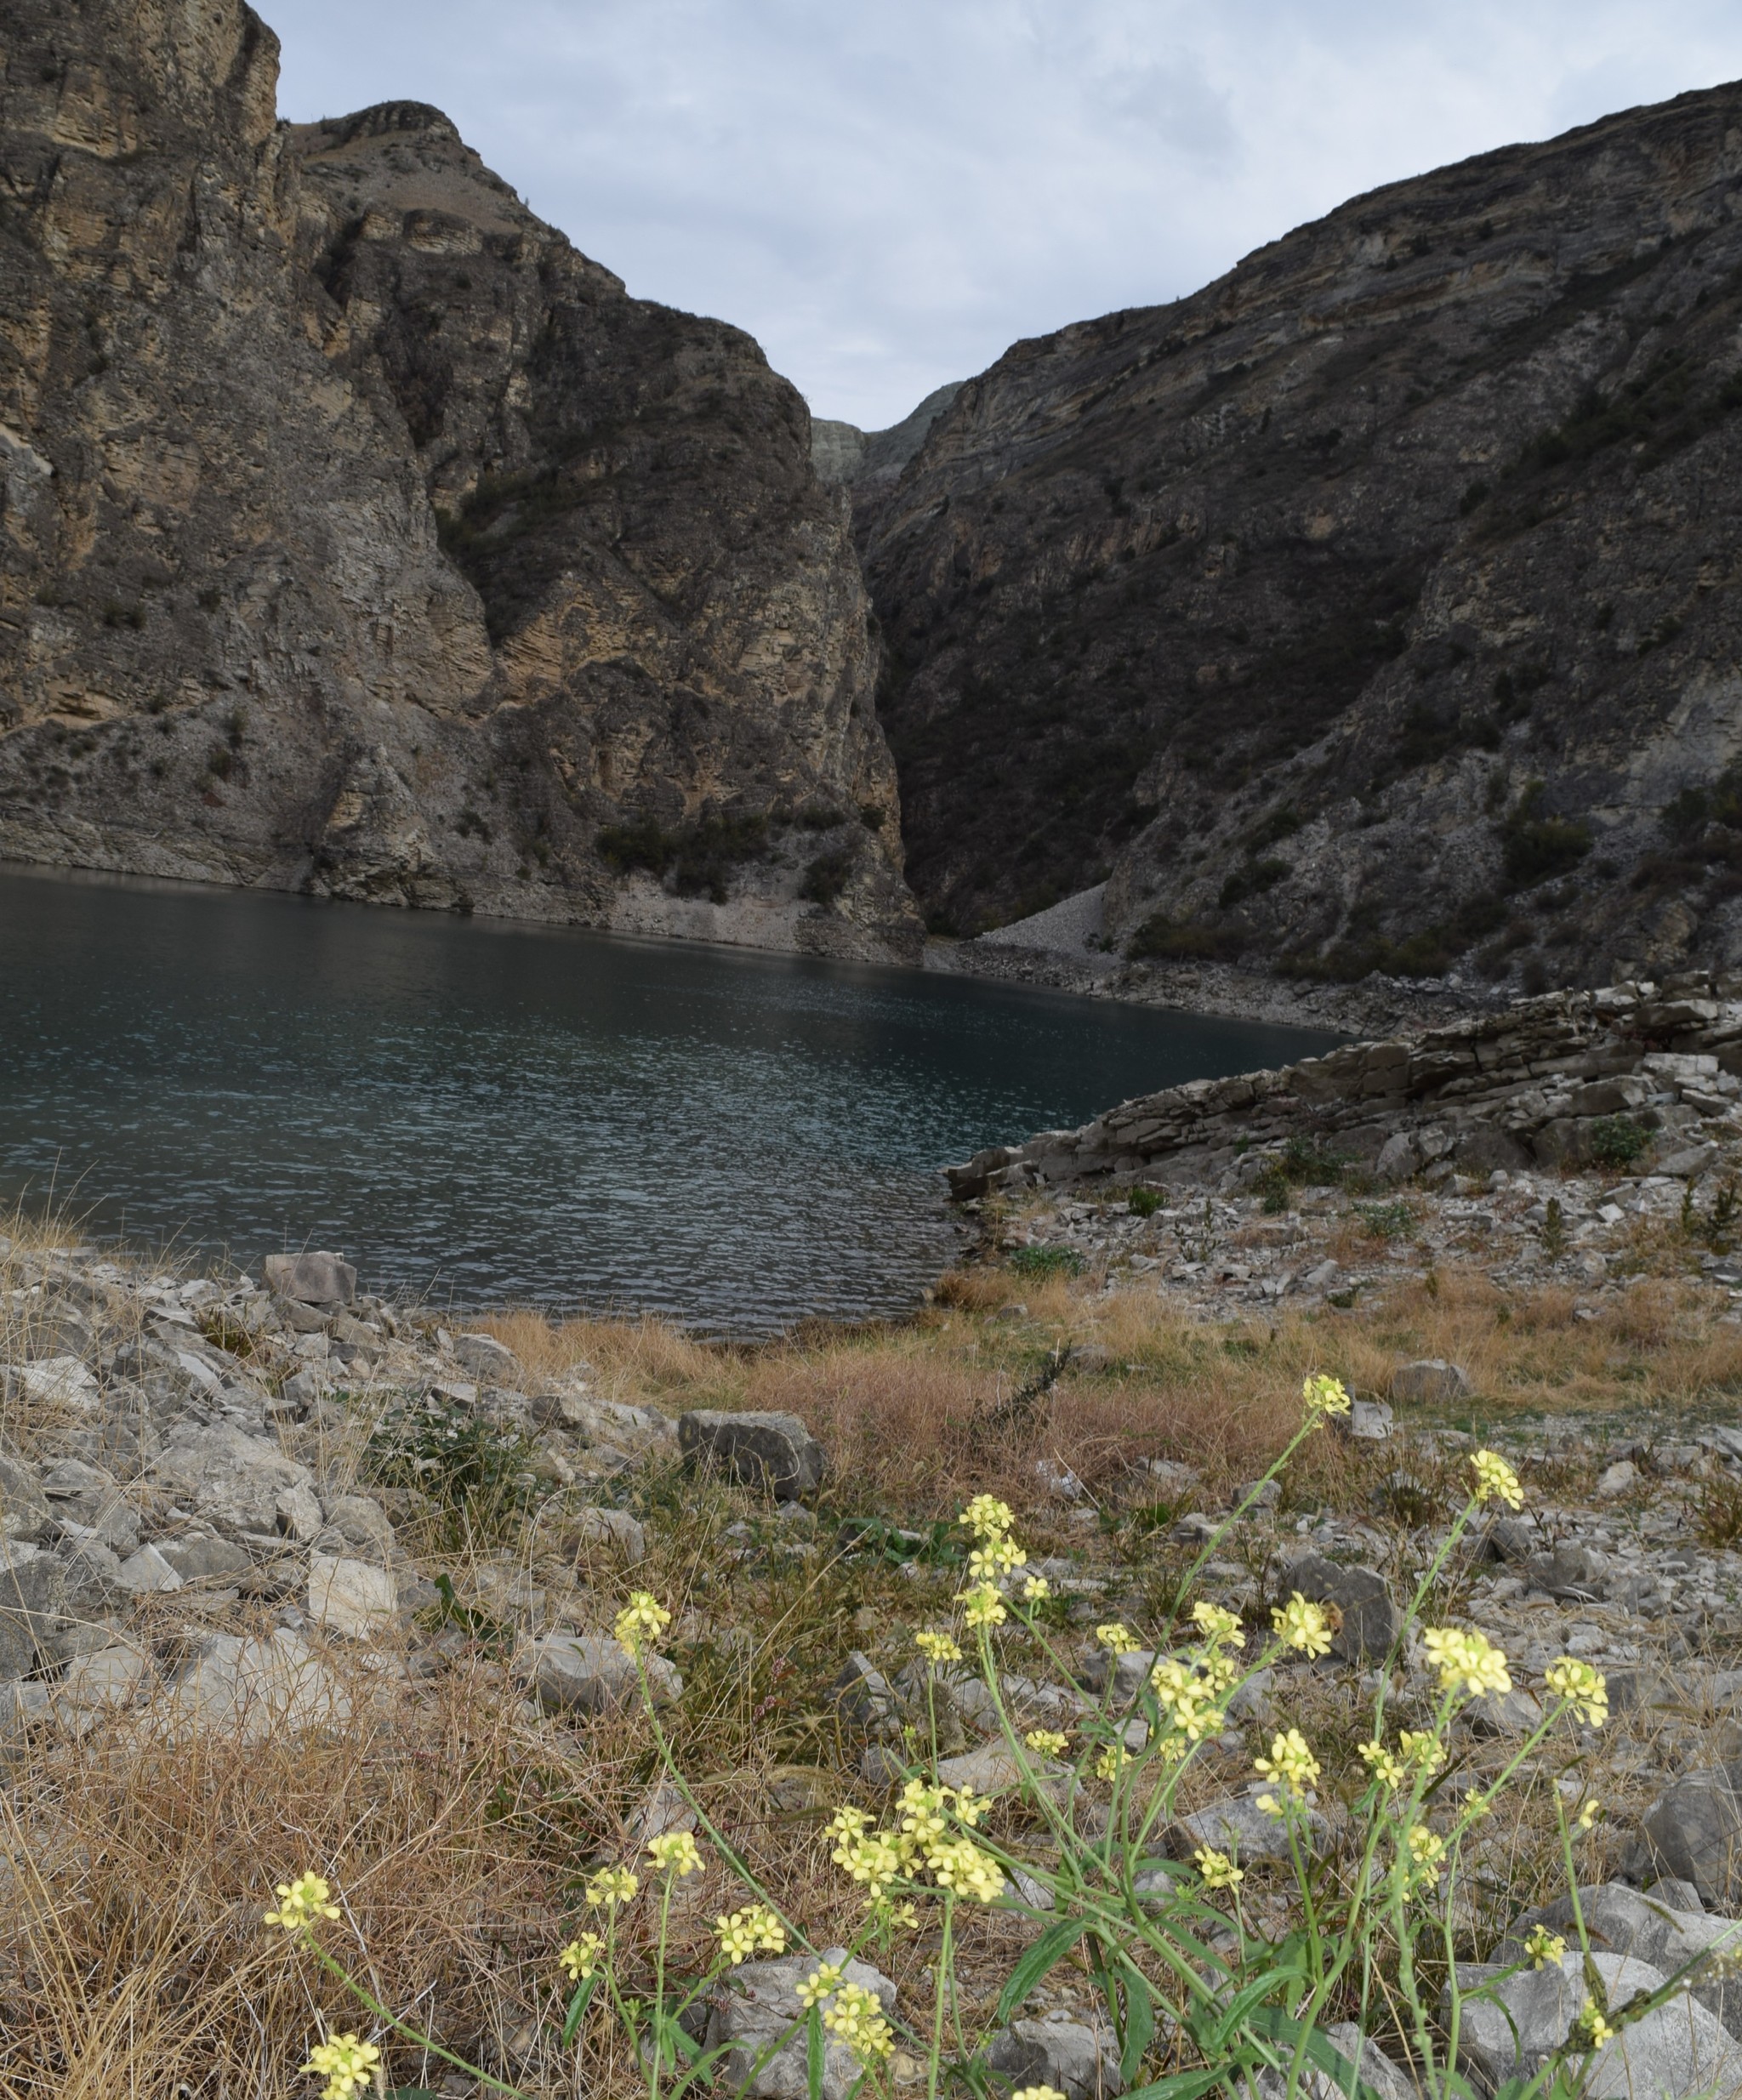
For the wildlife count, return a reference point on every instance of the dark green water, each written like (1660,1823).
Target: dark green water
(490,1112)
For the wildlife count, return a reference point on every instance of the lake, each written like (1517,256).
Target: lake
(486,1113)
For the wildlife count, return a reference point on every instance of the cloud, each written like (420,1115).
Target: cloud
(887,197)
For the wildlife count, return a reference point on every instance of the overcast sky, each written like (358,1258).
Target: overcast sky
(887,193)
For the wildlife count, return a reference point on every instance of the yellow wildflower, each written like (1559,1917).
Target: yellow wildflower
(1302,1626)
(1321,1396)
(938,1648)
(1592,2028)
(824,1978)
(611,1886)
(640,1623)
(962,1867)
(1290,1763)
(872,1858)
(846,1822)
(1037,2093)
(855,2018)
(1047,1742)
(1036,1589)
(1588,1815)
(1270,1805)
(302,1904)
(1111,1761)
(1469,1666)
(1187,1700)
(1218,1624)
(1495,1481)
(982,1605)
(675,1852)
(996,1557)
(1544,1947)
(1389,1771)
(1117,1638)
(582,1956)
(986,1517)
(347,2064)
(1426,1847)
(970,1807)
(1218,1870)
(1423,1748)
(1585,1689)
(747,1932)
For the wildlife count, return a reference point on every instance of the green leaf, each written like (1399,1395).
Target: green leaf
(1182,2086)
(1047,1952)
(1277,2026)
(813,2053)
(1140,2021)
(578,2008)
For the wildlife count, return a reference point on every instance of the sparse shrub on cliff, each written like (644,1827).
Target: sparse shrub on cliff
(1617,1140)
(698,859)
(1042,1262)
(826,878)
(1534,847)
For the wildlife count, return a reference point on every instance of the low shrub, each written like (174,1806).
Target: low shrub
(1617,1140)
(1045,1262)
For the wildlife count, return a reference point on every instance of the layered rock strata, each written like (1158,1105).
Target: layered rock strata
(1553,1081)
(358,535)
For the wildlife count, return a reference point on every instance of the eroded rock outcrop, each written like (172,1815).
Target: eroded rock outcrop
(359,535)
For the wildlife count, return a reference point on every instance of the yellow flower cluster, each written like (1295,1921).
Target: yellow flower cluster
(582,1956)
(1389,1771)
(675,1852)
(1189,1695)
(611,1886)
(921,1843)
(996,1557)
(1585,1690)
(1035,1589)
(938,1648)
(986,1517)
(756,1929)
(1047,1742)
(1117,1638)
(1592,2028)
(1037,2093)
(1420,1750)
(1544,1947)
(1302,1626)
(346,2062)
(1422,1747)
(1290,1764)
(854,2017)
(1469,1666)
(824,1978)
(1323,1396)
(1495,1481)
(981,1606)
(641,1623)
(1425,1850)
(302,1904)
(1111,1761)
(1219,1871)
(1218,1625)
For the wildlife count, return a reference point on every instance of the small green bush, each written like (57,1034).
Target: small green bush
(1046,1261)
(1617,1140)
(469,1467)
(1144,1203)
(1391,1220)
(826,878)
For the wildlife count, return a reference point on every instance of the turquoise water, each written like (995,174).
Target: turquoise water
(487,1113)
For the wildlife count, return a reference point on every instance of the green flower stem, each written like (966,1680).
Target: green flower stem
(946,1957)
(404,2027)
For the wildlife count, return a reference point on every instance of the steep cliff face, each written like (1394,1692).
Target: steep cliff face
(1374,607)
(360,535)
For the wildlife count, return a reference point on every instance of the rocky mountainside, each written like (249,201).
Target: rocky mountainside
(362,536)
(1374,607)
(870,462)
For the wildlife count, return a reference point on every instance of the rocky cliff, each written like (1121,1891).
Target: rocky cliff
(360,535)
(1374,608)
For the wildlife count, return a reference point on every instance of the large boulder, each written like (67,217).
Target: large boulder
(351,1597)
(751,2006)
(1429,1378)
(1676,2051)
(250,1688)
(24,1508)
(233,1480)
(490,1361)
(1237,1825)
(32,1605)
(1371,1620)
(593,1673)
(1693,1832)
(312,1279)
(774,1451)
(1059,2051)
(1620,1920)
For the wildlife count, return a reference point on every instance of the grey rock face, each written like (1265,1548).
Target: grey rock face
(1694,1831)
(753,2004)
(249,1688)
(312,1279)
(1371,1619)
(594,1674)
(1431,1379)
(614,1530)
(1077,2060)
(455,455)
(233,1480)
(1240,1828)
(204,1560)
(488,1360)
(1374,2068)
(1677,2051)
(23,1509)
(771,1450)
(33,1604)
(351,1597)
(1653,1928)
(866,1699)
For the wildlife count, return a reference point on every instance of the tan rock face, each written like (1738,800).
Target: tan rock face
(1273,603)
(358,535)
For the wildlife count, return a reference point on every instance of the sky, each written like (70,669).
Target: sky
(887,193)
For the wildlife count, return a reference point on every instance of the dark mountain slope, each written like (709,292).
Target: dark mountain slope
(1370,607)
